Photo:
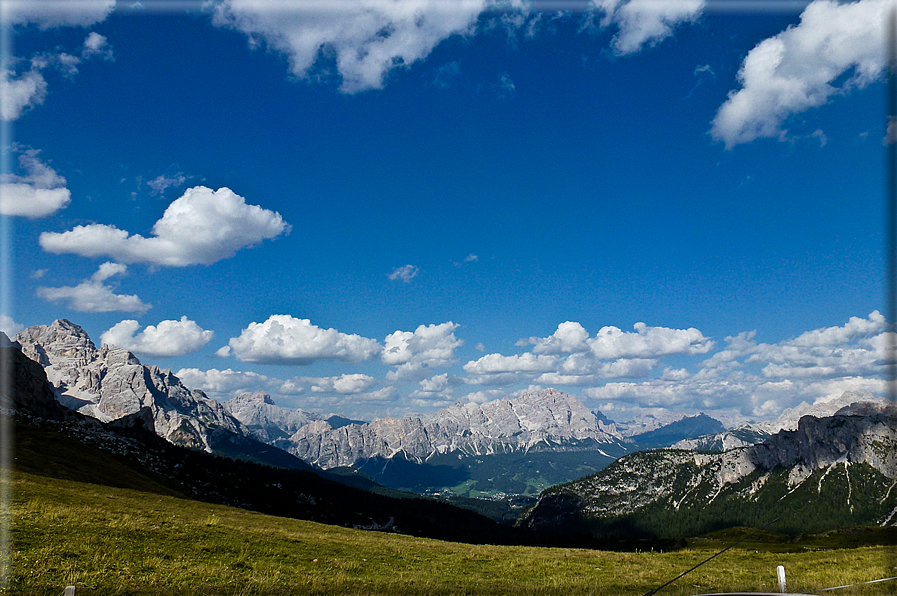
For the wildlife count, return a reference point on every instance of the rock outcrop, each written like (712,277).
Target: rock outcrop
(851,455)
(110,383)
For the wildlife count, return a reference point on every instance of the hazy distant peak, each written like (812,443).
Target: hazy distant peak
(255,397)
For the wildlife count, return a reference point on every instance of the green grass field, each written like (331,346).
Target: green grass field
(110,541)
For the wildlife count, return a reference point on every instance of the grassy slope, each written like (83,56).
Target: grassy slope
(122,541)
(138,537)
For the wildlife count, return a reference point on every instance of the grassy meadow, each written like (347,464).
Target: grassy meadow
(110,541)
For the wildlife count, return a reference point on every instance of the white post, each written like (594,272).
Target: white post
(780,572)
(69,591)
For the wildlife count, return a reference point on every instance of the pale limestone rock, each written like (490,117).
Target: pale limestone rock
(267,421)
(110,383)
(547,419)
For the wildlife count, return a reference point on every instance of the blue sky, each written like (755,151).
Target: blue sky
(376,208)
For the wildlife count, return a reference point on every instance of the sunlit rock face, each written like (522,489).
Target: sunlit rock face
(852,453)
(109,383)
(544,420)
(267,421)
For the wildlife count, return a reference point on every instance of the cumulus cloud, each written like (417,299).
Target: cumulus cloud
(569,338)
(492,364)
(96,46)
(647,342)
(851,349)
(760,380)
(429,346)
(9,326)
(47,14)
(200,228)
(738,346)
(366,38)
(19,92)
(853,329)
(405,273)
(168,338)
(37,191)
(282,339)
(645,22)
(93,295)
(226,381)
(835,48)
(347,384)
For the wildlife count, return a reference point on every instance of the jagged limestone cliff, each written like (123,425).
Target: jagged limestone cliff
(109,383)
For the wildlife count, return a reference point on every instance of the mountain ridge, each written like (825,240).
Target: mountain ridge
(842,456)
(110,383)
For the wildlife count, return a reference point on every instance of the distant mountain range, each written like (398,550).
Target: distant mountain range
(517,446)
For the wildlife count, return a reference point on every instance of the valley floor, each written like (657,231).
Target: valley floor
(114,541)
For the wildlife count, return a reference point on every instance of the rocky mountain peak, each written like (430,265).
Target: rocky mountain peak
(111,383)
(256,397)
(58,343)
(267,421)
(790,418)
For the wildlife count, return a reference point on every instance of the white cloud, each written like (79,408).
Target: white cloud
(347,384)
(492,364)
(96,46)
(47,14)
(9,326)
(168,338)
(581,369)
(436,383)
(891,132)
(645,22)
(202,227)
(797,69)
(738,346)
(283,339)
(222,381)
(92,295)
(366,38)
(675,374)
(854,328)
(107,270)
(428,347)
(36,192)
(852,349)
(481,397)
(761,379)
(405,273)
(18,93)
(569,338)
(647,342)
